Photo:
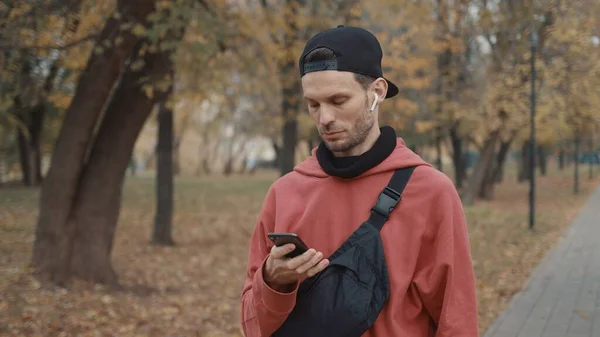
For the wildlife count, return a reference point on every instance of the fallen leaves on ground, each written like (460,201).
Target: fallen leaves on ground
(193,289)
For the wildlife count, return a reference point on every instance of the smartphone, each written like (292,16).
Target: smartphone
(280,239)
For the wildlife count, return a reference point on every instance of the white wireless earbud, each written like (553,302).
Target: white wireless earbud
(374,103)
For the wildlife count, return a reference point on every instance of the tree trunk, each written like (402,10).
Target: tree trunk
(277,150)
(228,167)
(243,154)
(29,133)
(37,126)
(55,232)
(3,166)
(495,172)
(498,175)
(290,91)
(25,151)
(481,169)
(458,157)
(39,114)
(288,151)
(243,165)
(486,191)
(22,115)
(211,154)
(229,157)
(576,159)
(443,82)
(98,203)
(438,148)
(543,160)
(203,153)
(525,163)
(206,166)
(289,132)
(175,155)
(163,221)
(561,159)
(25,159)
(29,136)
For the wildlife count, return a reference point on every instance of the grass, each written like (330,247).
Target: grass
(193,289)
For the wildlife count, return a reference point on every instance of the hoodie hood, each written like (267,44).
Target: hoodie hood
(400,157)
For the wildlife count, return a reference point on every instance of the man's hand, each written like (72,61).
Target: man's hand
(282,273)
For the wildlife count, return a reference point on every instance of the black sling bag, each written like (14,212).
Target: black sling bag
(345,299)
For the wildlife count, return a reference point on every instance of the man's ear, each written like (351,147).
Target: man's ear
(380,86)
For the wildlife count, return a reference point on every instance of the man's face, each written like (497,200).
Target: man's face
(339,106)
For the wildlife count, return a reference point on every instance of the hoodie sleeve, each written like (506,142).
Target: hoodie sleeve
(263,309)
(444,275)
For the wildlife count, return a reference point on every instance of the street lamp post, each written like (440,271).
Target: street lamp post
(532,141)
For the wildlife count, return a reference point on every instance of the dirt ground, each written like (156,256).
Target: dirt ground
(193,289)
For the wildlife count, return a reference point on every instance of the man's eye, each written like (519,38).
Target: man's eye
(339,101)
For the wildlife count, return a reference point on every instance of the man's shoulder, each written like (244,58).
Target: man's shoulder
(432,181)
(433,176)
(288,181)
(280,187)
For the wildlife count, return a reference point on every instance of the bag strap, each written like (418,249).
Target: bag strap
(389,197)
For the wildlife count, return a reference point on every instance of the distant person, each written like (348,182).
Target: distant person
(413,277)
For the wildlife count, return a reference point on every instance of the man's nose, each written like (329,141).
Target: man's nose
(326,115)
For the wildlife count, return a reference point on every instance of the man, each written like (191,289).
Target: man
(422,282)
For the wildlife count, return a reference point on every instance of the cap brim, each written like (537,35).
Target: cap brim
(392,89)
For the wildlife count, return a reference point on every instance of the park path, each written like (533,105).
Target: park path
(562,297)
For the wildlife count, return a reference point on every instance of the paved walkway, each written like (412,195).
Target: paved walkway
(562,297)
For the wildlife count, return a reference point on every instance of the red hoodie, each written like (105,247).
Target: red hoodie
(432,283)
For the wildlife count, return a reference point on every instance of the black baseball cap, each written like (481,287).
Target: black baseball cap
(357,50)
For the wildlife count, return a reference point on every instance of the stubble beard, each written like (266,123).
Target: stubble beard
(357,135)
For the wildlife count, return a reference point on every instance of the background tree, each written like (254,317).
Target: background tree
(81,198)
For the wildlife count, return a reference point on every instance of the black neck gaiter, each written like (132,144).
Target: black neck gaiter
(353,166)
